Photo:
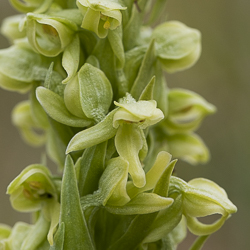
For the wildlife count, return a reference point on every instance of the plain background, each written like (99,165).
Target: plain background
(221,76)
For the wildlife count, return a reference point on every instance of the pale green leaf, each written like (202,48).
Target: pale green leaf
(76,232)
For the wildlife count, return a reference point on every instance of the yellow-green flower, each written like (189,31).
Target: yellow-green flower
(31,189)
(100,16)
(143,113)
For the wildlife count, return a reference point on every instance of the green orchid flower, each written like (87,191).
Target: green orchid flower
(130,140)
(32,188)
(143,113)
(202,197)
(49,35)
(186,111)
(25,121)
(100,16)
(177,46)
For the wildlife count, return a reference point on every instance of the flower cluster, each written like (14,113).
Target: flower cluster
(98,99)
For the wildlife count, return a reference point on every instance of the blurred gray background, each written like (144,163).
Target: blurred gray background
(221,76)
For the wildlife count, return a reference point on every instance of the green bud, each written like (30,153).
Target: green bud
(186,111)
(49,35)
(143,113)
(30,190)
(100,16)
(177,46)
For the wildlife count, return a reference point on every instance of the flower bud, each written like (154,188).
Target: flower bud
(100,16)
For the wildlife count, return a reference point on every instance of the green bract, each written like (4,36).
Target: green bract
(100,16)
(98,100)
